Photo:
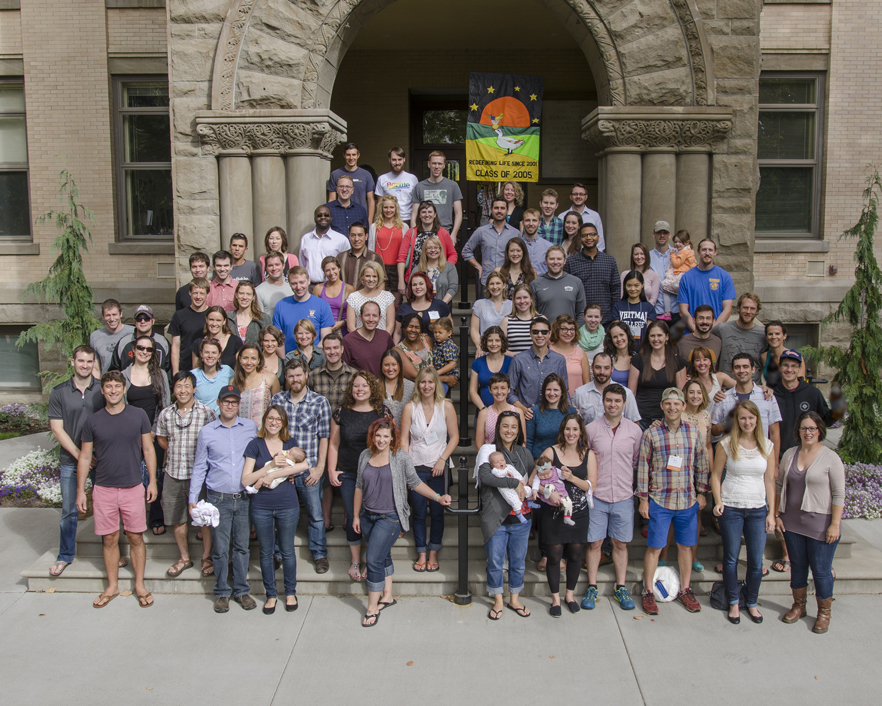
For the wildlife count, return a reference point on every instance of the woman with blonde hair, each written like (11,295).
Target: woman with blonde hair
(372,279)
(305,335)
(247,319)
(740,503)
(490,311)
(429,433)
(513,194)
(384,238)
(444,277)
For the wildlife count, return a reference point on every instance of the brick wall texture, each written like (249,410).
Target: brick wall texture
(795,27)
(136,31)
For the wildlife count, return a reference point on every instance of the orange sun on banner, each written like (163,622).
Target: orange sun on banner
(513,113)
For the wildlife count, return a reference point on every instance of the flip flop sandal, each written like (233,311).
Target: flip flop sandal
(362,571)
(494,614)
(178,568)
(57,569)
(784,565)
(432,566)
(368,616)
(522,611)
(388,604)
(354,573)
(123,562)
(105,598)
(160,533)
(419,566)
(143,600)
(207,567)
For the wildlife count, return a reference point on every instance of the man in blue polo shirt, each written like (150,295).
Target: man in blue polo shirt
(706,283)
(344,210)
(302,305)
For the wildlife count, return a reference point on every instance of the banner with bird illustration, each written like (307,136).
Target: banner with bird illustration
(502,133)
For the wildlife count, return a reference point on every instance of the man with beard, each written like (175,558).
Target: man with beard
(743,335)
(588,399)
(556,291)
(706,283)
(702,336)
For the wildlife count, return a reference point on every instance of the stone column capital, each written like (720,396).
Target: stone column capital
(310,132)
(654,129)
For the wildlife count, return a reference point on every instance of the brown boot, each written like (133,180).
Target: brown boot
(798,610)
(822,622)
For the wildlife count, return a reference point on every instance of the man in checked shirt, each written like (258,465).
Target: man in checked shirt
(672,478)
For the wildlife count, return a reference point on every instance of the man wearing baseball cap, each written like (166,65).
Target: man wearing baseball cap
(220,458)
(124,352)
(795,396)
(672,478)
(666,307)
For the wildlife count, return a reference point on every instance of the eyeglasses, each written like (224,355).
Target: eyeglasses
(568,329)
(808,430)
(145,349)
(539,331)
(230,403)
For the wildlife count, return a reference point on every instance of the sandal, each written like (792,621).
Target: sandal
(158,531)
(388,604)
(207,567)
(362,570)
(494,614)
(199,535)
(368,616)
(780,566)
(178,568)
(145,600)
(57,569)
(103,600)
(419,565)
(123,562)
(433,566)
(354,575)
(522,611)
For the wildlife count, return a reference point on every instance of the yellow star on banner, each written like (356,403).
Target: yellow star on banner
(474,106)
(490,90)
(535,120)
(517,88)
(533,96)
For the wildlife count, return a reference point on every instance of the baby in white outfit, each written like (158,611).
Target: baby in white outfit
(510,495)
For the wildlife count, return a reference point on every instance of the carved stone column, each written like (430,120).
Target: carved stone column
(273,165)
(653,168)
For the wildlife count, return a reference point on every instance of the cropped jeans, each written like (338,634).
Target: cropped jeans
(380,531)
(510,540)
(751,522)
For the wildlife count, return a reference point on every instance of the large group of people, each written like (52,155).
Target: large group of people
(603,401)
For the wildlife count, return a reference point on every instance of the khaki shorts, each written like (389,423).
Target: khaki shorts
(175,500)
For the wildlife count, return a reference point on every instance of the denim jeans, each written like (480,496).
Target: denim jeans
(751,522)
(418,505)
(67,546)
(347,490)
(806,552)
(380,532)
(311,495)
(512,540)
(271,525)
(235,521)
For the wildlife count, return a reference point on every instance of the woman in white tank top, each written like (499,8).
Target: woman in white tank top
(429,433)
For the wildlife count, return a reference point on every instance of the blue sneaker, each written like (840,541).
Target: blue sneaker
(589,598)
(624,599)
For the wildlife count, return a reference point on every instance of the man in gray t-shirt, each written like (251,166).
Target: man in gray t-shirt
(743,335)
(443,192)
(104,340)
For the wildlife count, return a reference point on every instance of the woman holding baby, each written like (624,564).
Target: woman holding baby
(574,468)
(504,531)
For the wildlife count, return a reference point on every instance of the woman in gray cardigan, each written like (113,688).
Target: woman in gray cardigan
(503,531)
(380,510)
(809,497)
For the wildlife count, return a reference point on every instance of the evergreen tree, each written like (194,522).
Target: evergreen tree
(859,366)
(66,284)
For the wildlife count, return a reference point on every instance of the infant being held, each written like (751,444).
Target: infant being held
(548,478)
(510,495)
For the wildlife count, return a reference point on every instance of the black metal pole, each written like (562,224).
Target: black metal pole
(463,596)
(464,438)
(464,268)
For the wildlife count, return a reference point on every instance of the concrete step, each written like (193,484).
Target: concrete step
(859,574)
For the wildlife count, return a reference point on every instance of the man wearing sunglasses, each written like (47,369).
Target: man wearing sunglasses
(124,352)
(177,429)
(529,368)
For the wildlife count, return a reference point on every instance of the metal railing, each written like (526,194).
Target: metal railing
(462,596)
(464,427)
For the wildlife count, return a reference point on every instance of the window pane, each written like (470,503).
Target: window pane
(14,214)
(18,366)
(786,135)
(145,95)
(149,201)
(13,141)
(12,99)
(444,127)
(787,90)
(784,200)
(147,138)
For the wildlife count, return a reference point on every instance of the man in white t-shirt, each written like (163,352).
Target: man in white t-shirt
(398,183)
(578,197)
(275,288)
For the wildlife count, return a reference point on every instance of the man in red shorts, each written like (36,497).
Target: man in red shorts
(119,437)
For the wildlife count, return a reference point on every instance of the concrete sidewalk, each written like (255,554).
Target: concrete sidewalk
(56,649)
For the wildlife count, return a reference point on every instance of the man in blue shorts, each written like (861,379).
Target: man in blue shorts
(672,478)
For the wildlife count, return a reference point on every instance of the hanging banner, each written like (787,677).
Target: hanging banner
(502,134)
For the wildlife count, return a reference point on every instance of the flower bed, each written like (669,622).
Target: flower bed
(863,491)
(35,477)
(20,419)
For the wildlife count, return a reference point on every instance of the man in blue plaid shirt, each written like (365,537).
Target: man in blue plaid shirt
(550,226)
(672,478)
(309,424)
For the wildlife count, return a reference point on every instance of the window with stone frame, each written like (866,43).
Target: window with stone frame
(15,212)
(789,151)
(142,154)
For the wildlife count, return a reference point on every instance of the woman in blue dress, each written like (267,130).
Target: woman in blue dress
(493,344)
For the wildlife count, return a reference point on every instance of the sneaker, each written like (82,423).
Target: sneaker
(649,605)
(246,601)
(605,559)
(588,601)
(624,598)
(322,565)
(222,604)
(687,598)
